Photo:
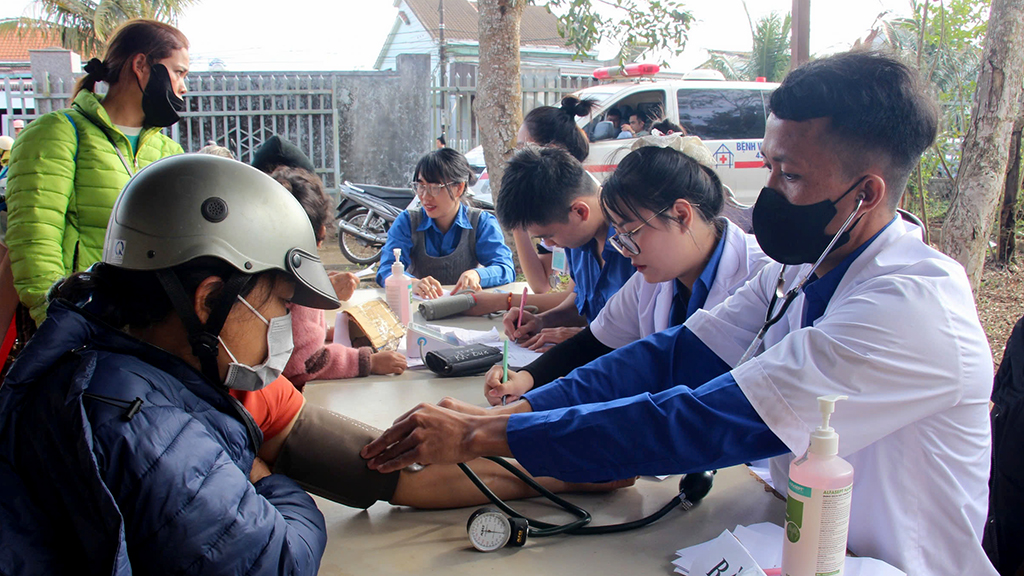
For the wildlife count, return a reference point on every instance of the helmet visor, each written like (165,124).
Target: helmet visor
(313,287)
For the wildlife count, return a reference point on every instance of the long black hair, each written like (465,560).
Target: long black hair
(549,125)
(652,178)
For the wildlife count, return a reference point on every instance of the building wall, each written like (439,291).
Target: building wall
(384,122)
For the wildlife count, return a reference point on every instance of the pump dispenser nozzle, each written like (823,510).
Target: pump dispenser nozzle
(824,440)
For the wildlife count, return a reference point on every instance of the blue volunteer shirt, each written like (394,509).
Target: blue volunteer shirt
(682,309)
(492,253)
(666,404)
(595,284)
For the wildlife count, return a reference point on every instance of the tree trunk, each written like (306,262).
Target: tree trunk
(499,98)
(1008,215)
(986,148)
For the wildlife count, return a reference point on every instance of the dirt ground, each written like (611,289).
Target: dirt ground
(1000,299)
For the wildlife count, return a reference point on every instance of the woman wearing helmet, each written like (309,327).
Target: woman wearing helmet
(68,166)
(121,440)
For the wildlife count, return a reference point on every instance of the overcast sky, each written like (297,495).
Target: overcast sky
(348,34)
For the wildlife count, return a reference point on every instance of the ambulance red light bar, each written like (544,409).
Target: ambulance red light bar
(627,71)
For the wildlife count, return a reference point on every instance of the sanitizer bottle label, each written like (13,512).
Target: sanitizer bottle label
(816,528)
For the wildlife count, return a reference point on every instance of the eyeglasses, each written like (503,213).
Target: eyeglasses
(422,189)
(623,241)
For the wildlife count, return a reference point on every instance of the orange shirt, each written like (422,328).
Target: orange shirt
(272,407)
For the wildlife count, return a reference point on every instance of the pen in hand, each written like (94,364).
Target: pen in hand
(522,304)
(504,365)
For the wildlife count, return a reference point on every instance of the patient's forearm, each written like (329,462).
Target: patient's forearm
(446,486)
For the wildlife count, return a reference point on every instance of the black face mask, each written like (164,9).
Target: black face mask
(159,102)
(793,234)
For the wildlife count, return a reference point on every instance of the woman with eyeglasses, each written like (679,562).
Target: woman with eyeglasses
(444,241)
(666,206)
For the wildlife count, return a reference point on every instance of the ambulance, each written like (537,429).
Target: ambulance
(728,116)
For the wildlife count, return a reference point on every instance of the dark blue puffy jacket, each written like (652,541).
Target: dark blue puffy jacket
(85,490)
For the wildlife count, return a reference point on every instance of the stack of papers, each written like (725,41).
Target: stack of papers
(517,355)
(756,550)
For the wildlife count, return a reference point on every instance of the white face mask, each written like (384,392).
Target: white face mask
(279,349)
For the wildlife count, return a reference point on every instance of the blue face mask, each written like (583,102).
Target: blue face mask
(793,234)
(279,349)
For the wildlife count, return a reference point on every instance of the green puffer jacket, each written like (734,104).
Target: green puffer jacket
(61,187)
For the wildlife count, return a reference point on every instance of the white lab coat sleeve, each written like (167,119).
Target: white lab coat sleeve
(891,344)
(618,323)
(730,327)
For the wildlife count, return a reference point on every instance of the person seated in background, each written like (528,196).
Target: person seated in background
(547,193)
(687,258)
(549,126)
(667,127)
(614,115)
(217,150)
(315,357)
(276,152)
(636,127)
(444,241)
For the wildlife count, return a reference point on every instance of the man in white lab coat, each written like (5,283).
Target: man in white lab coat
(883,318)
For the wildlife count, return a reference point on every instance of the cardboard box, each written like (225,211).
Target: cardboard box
(374,324)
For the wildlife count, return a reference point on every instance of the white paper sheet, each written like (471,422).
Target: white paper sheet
(367,272)
(518,356)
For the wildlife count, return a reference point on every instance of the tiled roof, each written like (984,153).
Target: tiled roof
(14,47)
(538,27)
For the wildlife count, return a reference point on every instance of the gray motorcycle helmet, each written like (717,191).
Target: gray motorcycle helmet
(193,205)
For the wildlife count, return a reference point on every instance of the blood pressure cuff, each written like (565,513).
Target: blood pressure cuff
(462,361)
(322,455)
(446,306)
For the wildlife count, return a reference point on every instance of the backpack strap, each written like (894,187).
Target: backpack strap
(75,126)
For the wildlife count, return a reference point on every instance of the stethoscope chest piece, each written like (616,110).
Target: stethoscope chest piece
(490,530)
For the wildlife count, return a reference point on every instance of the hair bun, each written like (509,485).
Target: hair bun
(574,107)
(96,68)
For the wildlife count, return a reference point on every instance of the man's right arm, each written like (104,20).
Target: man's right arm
(670,358)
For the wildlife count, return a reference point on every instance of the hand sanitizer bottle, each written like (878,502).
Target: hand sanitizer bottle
(818,506)
(396,289)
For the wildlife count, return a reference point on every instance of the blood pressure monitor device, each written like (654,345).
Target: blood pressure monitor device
(490,530)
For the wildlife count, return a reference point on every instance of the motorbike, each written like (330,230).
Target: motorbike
(365,215)
(366,212)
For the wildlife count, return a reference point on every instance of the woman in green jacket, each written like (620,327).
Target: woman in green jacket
(68,166)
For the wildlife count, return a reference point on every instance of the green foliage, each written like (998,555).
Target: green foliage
(637,26)
(84,25)
(943,41)
(770,56)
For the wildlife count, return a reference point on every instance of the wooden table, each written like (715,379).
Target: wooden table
(388,540)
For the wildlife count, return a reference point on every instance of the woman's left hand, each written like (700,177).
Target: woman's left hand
(344,283)
(470,280)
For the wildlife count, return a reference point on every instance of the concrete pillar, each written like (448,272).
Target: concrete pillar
(54,71)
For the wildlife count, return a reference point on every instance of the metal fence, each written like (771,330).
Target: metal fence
(242,110)
(454,115)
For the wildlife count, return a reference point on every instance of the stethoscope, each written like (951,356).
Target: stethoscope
(491,530)
(772,317)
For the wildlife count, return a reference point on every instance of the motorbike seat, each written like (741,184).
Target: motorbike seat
(385,191)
